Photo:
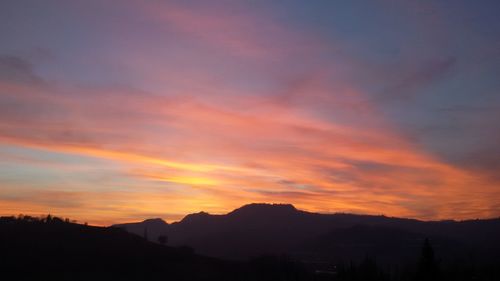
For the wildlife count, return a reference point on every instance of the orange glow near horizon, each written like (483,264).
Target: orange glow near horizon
(170,109)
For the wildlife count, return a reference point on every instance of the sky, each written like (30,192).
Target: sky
(117,111)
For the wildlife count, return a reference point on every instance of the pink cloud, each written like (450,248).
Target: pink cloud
(213,144)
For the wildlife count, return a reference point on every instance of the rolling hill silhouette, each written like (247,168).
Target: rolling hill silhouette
(52,249)
(258,229)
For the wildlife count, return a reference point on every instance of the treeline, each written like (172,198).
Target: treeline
(40,219)
(427,268)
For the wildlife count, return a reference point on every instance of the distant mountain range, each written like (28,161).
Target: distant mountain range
(275,229)
(259,241)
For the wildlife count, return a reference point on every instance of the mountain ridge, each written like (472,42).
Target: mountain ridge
(260,228)
(291,207)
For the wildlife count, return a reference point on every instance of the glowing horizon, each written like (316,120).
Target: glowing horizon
(119,111)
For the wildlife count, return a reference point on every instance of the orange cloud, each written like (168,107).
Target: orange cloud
(198,140)
(233,158)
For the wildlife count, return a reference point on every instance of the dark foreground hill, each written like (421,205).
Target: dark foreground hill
(257,229)
(52,249)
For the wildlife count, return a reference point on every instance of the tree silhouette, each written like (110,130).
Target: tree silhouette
(427,267)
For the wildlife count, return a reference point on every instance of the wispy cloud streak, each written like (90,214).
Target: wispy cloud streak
(227,107)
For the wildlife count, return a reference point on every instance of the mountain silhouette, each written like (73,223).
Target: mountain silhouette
(258,229)
(255,242)
(53,249)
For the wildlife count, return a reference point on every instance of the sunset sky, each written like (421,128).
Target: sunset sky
(116,111)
